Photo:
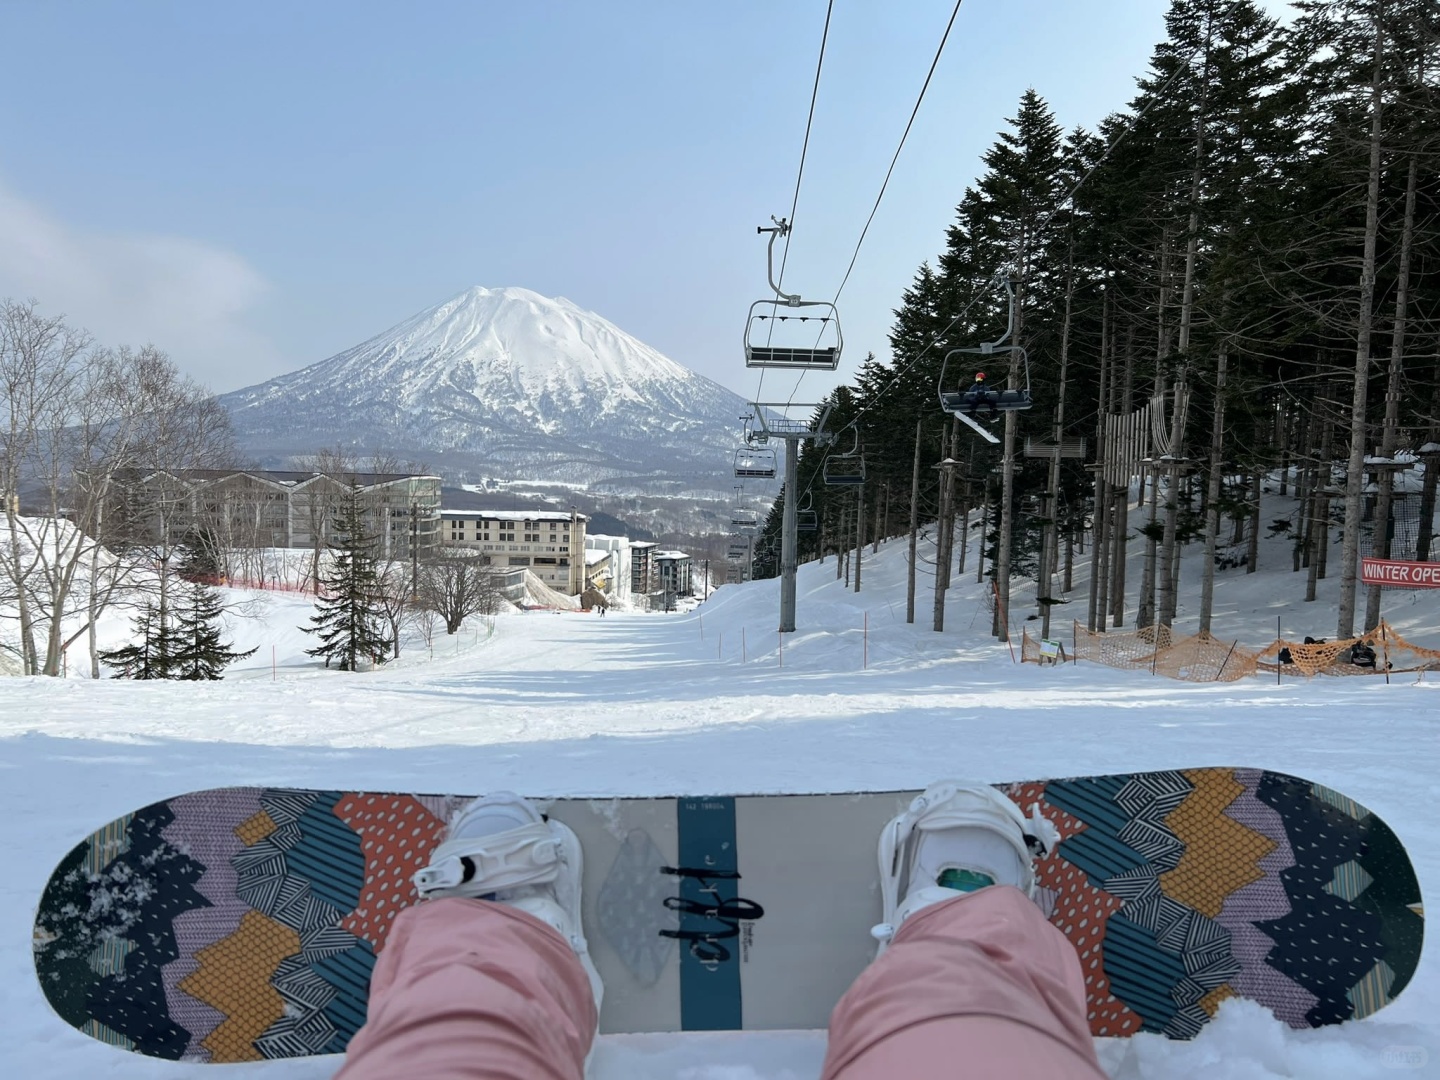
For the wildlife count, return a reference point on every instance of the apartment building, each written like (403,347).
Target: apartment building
(266,508)
(550,543)
(672,571)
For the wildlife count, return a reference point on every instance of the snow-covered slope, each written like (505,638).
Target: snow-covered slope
(502,382)
(570,704)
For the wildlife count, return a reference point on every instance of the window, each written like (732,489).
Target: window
(519,560)
(541,560)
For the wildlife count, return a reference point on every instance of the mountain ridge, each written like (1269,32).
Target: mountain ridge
(503,383)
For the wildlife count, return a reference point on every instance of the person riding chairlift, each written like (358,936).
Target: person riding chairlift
(975,396)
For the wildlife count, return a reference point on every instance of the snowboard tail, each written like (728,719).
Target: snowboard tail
(241,924)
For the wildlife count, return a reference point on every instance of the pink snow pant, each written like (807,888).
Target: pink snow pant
(977,986)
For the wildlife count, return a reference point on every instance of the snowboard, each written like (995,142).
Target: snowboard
(241,924)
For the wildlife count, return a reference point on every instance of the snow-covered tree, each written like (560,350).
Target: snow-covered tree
(349,614)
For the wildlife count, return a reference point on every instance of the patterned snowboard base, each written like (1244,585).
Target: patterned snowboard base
(241,924)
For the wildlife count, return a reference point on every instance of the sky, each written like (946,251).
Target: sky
(256,186)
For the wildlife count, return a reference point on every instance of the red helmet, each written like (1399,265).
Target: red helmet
(979,376)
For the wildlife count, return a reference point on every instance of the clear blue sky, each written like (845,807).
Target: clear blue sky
(256,186)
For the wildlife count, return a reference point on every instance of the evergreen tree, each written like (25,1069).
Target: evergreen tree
(349,615)
(199,651)
(154,655)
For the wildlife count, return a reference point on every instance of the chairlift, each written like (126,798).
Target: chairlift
(737,552)
(755,463)
(978,401)
(844,470)
(806,520)
(808,330)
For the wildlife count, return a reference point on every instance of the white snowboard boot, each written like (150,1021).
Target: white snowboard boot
(501,848)
(956,838)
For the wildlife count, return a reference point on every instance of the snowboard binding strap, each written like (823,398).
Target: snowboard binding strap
(527,855)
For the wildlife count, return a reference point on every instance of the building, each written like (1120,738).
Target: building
(262,508)
(616,570)
(672,572)
(550,543)
(642,568)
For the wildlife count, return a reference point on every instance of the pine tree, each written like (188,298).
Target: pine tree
(349,616)
(153,656)
(200,654)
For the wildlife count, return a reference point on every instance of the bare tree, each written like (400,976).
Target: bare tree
(456,587)
(80,422)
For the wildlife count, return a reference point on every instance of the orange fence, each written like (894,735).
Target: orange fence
(1203,658)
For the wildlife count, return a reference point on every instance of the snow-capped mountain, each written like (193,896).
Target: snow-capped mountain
(504,383)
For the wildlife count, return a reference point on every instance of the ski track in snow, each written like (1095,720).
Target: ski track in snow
(569,704)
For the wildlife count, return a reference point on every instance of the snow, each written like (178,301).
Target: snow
(554,703)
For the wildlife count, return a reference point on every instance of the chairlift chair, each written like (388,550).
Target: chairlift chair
(976,400)
(755,463)
(806,520)
(844,470)
(809,330)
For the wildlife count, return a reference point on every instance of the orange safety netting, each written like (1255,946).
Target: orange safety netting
(1391,652)
(1203,658)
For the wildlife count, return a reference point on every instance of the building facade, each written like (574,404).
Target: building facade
(261,508)
(612,575)
(551,544)
(672,572)
(642,568)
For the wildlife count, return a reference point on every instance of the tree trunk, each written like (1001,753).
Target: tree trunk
(942,556)
(1380,542)
(859,531)
(1252,551)
(1212,493)
(1169,554)
(1354,474)
(914,526)
(1050,546)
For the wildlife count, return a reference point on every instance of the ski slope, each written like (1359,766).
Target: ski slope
(564,703)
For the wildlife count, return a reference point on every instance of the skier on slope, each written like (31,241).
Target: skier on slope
(492,975)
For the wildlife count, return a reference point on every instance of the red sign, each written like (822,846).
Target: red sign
(1403,575)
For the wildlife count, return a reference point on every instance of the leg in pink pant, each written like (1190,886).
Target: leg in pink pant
(470,989)
(981,986)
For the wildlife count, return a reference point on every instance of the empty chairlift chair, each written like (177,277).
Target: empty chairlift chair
(755,463)
(743,521)
(844,470)
(787,331)
(806,520)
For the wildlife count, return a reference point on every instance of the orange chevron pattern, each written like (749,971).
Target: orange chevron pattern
(1221,855)
(255,828)
(234,979)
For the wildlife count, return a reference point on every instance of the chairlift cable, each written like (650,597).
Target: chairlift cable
(800,172)
(905,135)
(890,171)
(985,289)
